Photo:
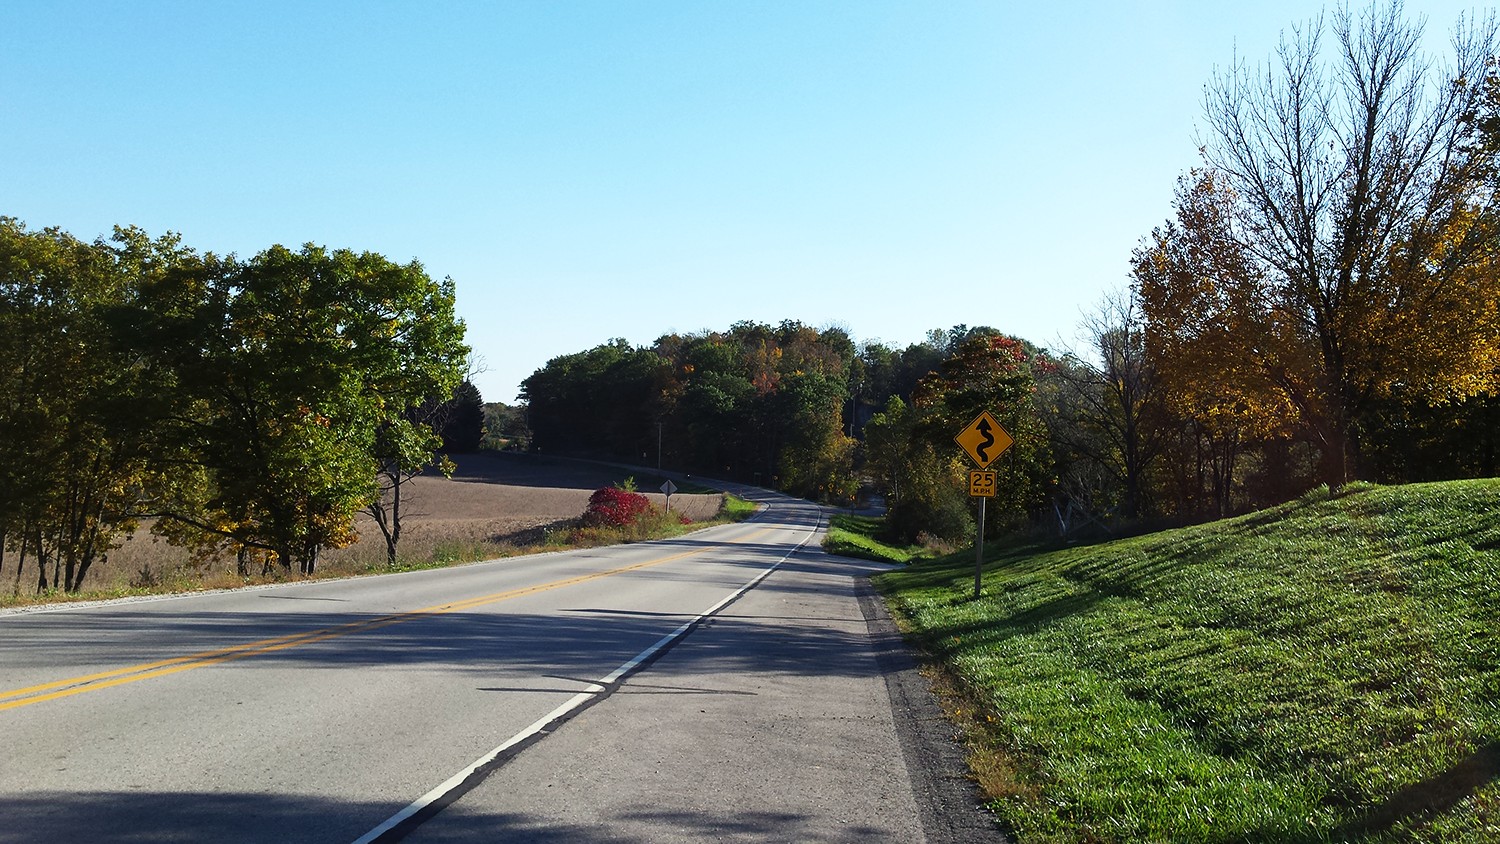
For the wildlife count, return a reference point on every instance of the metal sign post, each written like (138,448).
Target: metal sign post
(982,485)
(979,548)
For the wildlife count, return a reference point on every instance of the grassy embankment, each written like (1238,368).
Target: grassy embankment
(1326,670)
(859,536)
(658,525)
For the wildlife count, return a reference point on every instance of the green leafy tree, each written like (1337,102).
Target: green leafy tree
(409,444)
(505,427)
(911,448)
(291,366)
(603,402)
(403,448)
(998,374)
(463,420)
(71,438)
(816,458)
(757,402)
(924,491)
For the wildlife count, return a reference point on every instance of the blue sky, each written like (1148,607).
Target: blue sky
(591,170)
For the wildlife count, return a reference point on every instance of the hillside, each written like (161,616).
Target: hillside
(1324,670)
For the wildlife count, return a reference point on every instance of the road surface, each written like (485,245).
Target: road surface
(579,696)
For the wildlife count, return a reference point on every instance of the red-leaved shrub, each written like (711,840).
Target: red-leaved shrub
(613,507)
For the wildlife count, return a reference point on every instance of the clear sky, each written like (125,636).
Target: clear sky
(591,170)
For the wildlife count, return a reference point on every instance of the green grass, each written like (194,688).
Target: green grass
(736,509)
(1328,670)
(858,536)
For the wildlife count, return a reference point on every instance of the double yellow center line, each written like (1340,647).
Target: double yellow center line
(17,698)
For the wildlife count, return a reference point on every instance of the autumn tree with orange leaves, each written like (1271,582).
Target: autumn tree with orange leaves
(1338,247)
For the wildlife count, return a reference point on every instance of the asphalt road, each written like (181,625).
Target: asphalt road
(576,696)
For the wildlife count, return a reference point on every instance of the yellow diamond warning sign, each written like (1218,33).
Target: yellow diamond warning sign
(984,440)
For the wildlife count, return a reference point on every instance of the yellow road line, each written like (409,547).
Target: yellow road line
(29,695)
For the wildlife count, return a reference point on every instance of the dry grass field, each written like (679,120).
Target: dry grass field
(493,504)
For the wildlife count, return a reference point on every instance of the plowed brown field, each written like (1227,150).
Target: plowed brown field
(493,502)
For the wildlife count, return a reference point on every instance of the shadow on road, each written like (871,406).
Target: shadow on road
(234,816)
(484,643)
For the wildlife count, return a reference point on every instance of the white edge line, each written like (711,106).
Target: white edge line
(457,779)
(573,703)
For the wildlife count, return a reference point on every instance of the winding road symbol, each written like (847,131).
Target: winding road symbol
(984,440)
(984,427)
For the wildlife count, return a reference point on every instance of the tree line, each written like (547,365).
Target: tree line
(246,406)
(799,408)
(1322,306)
(756,402)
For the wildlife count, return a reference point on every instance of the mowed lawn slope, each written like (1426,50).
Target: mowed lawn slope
(1327,670)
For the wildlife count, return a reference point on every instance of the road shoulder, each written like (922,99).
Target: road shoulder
(949,802)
